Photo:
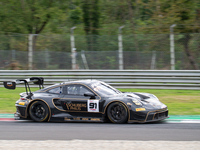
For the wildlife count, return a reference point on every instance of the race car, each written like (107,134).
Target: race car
(85,100)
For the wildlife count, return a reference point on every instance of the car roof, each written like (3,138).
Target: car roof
(86,82)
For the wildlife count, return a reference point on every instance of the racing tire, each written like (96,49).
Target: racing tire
(117,113)
(39,111)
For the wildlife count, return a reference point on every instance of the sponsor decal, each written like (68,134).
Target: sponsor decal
(93,105)
(21,103)
(72,106)
(67,119)
(140,109)
(9,84)
(83,119)
(95,119)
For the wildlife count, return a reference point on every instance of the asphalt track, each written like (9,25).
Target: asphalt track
(160,131)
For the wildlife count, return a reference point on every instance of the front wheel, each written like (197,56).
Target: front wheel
(117,113)
(39,111)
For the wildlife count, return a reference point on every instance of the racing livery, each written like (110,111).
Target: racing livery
(85,100)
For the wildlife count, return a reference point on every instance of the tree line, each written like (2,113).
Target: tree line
(103,17)
(99,16)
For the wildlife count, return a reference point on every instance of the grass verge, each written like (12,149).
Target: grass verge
(8,99)
(179,102)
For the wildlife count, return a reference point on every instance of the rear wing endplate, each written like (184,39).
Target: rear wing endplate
(9,85)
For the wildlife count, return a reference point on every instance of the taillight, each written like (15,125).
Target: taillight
(21,98)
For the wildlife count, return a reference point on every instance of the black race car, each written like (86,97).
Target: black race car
(85,100)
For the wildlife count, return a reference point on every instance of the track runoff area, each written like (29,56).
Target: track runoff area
(76,144)
(171,119)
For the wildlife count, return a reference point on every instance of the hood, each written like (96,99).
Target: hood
(145,99)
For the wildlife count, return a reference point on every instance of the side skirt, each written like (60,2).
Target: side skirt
(76,119)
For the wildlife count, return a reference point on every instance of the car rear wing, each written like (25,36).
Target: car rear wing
(35,80)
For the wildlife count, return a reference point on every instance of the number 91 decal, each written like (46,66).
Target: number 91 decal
(93,105)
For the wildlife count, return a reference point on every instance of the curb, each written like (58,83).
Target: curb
(183,117)
(7,119)
(171,117)
(6,116)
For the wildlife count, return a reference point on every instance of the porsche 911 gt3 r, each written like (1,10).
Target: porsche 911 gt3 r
(85,100)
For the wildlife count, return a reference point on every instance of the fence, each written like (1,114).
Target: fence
(45,60)
(140,51)
(146,79)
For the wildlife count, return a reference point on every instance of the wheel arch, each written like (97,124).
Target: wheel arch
(106,108)
(28,107)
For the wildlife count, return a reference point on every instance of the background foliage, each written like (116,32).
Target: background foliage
(99,16)
(147,24)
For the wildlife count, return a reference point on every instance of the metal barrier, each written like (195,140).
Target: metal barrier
(146,79)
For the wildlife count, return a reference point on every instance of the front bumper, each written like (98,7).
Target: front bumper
(17,116)
(149,116)
(20,113)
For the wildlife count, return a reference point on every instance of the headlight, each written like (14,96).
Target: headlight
(136,102)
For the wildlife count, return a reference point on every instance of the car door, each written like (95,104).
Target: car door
(80,100)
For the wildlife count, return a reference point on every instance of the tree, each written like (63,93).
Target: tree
(91,16)
(183,13)
(29,16)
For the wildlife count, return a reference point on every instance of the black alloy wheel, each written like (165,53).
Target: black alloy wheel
(117,113)
(39,111)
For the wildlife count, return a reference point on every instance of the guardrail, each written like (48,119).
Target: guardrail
(146,79)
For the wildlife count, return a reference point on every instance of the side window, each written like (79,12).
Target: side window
(56,90)
(72,90)
(75,89)
(83,90)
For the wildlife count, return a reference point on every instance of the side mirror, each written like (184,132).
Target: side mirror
(89,94)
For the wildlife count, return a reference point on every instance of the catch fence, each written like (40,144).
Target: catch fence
(140,51)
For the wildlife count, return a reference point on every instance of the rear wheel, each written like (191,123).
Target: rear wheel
(39,111)
(117,113)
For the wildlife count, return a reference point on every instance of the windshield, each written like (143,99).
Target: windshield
(105,89)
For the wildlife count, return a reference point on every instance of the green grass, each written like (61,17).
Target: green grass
(8,99)
(179,102)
